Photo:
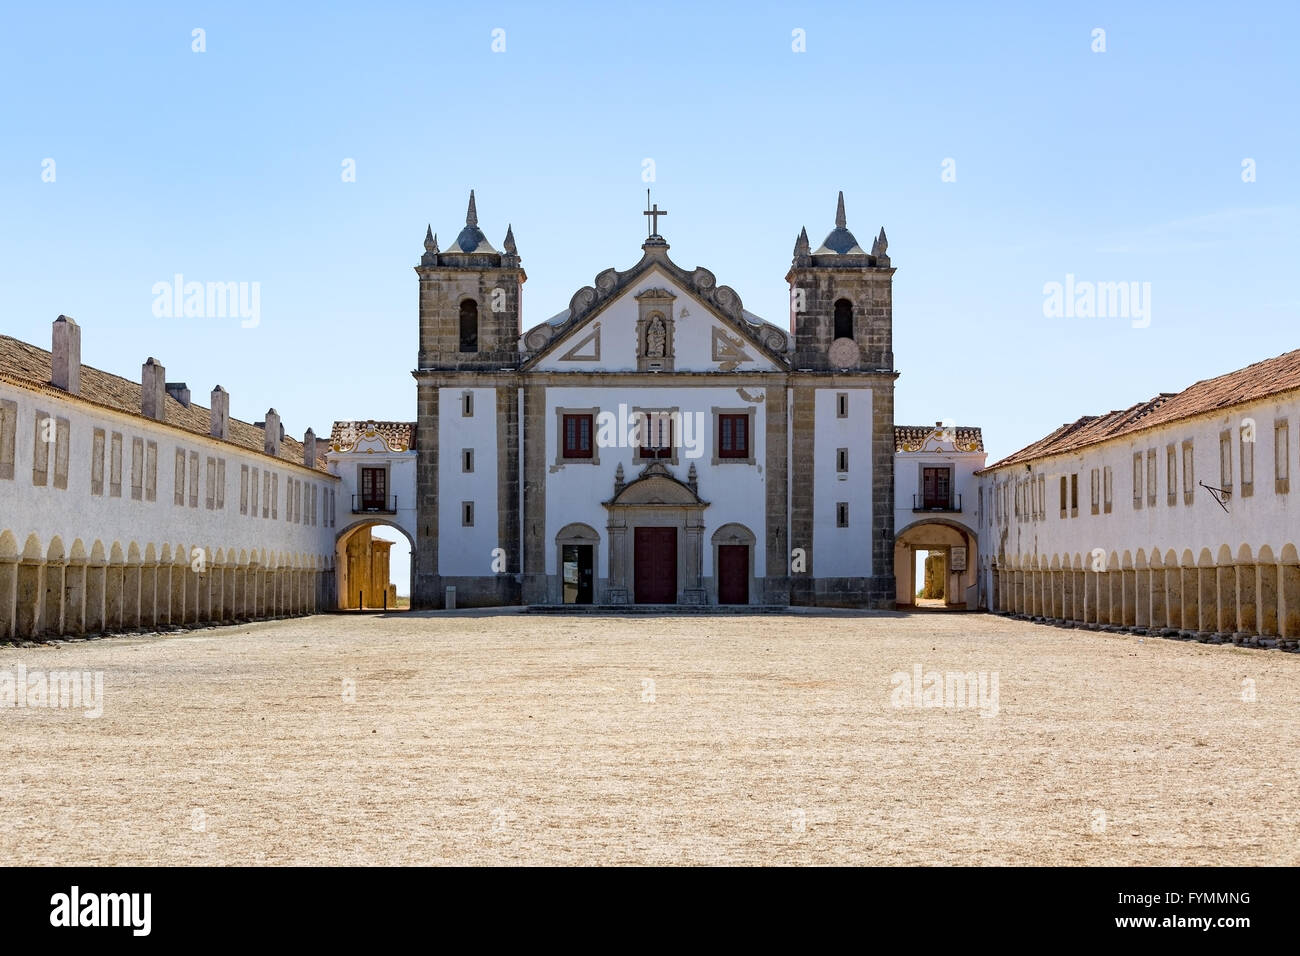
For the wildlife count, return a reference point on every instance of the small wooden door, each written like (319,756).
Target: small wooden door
(655,565)
(935,488)
(733,574)
(374,488)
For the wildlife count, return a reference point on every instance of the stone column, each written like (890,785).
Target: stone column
(30,594)
(1173,598)
(1247,595)
(131,596)
(163,592)
(1191,589)
(179,608)
(115,597)
(74,597)
(8,597)
(96,596)
(229,607)
(52,619)
(149,594)
(1142,598)
(1288,589)
(1226,601)
(1207,604)
(1267,604)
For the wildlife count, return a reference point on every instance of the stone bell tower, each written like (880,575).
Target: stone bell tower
(841,292)
(470,297)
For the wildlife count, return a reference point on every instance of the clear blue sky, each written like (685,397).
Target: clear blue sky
(225,166)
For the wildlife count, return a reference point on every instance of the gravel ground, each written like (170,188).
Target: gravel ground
(505,737)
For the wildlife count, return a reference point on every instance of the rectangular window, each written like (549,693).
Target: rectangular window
(1225,460)
(62,451)
(467,404)
(115,465)
(221,484)
(936,488)
(467,514)
(467,460)
(194,479)
(655,433)
(43,435)
(733,437)
(1042,496)
(1189,479)
(137,469)
(841,404)
(288,499)
(151,471)
(841,514)
(1065,492)
(1137,479)
(314,512)
(178,496)
(253,487)
(1152,478)
(210,499)
(1282,457)
(374,489)
(266,493)
(8,438)
(1171,476)
(97,441)
(275,496)
(1247,461)
(1095,476)
(243,489)
(842,460)
(1074,495)
(577,438)
(1107,489)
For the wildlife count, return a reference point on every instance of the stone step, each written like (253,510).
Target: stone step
(660,609)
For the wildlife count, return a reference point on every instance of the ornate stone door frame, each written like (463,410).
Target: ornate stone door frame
(656,499)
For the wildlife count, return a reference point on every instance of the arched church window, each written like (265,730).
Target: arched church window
(843,319)
(469,326)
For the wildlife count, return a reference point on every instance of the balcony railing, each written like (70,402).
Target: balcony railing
(951,505)
(372,504)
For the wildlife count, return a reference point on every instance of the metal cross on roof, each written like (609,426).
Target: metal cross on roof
(654,214)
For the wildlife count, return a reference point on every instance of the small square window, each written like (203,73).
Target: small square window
(841,514)
(841,404)
(467,514)
(841,460)
(467,404)
(467,460)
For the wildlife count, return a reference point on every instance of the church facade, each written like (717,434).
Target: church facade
(654,442)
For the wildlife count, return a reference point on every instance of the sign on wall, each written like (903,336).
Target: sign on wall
(957,558)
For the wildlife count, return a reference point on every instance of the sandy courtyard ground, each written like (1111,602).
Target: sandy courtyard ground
(525,738)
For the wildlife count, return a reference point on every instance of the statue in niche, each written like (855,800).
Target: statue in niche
(655,337)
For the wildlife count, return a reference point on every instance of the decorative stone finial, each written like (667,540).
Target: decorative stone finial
(510,241)
(471,215)
(619,484)
(801,245)
(430,242)
(840,221)
(693,479)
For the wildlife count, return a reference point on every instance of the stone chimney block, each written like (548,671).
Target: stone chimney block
(220,413)
(153,390)
(272,432)
(66,355)
(309,449)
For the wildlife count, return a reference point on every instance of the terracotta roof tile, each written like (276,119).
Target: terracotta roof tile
(1270,377)
(27,365)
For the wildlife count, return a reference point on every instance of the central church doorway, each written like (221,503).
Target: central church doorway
(579,577)
(655,565)
(733,574)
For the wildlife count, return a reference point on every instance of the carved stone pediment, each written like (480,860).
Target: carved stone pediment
(656,486)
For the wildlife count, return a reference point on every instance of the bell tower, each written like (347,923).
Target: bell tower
(470,299)
(841,302)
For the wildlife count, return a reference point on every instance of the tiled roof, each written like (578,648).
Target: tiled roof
(30,367)
(398,435)
(1269,377)
(908,437)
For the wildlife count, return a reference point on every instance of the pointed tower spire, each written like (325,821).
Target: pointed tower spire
(471,215)
(840,221)
(430,243)
(510,241)
(801,245)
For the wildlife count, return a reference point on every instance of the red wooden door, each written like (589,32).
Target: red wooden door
(655,565)
(733,574)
